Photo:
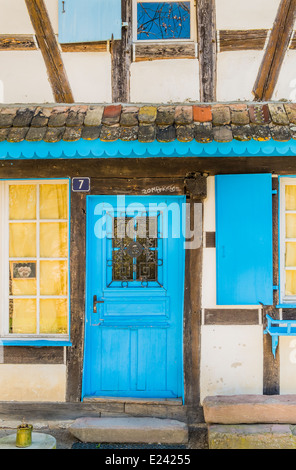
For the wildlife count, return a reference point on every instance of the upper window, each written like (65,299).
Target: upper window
(288,240)
(159,21)
(35,285)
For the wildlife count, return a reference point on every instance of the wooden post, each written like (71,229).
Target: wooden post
(278,44)
(50,50)
(271,365)
(207,48)
(192,327)
(77,297)
(121,58)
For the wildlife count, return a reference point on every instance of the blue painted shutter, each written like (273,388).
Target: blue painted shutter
(244,239)
(89,20)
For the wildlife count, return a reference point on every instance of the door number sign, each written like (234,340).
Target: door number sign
(81,184)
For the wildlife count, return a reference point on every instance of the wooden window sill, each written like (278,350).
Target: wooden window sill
(170,50)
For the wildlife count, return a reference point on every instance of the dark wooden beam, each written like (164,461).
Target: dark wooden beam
(277,46)
(164,51)
(77,297)
(271,365)
(121,58)
(50,50)
(31,355)
(241,40)
(17,42)
(163,168)
(192,328)
(207,48)
(221,316)
(85,47)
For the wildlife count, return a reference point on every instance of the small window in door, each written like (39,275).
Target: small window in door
(135,258)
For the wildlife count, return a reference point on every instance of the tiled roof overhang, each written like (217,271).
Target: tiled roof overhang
(233,129)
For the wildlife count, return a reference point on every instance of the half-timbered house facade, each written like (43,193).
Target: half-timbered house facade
(118,115)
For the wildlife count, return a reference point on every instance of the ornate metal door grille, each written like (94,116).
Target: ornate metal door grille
(135,251)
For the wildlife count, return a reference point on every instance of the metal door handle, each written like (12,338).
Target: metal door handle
(95,302)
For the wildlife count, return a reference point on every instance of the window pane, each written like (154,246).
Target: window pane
(163,20)
(53,277)
(22,240)
(290,192)
(290,254)
(53,201)
(54,240)
(290,225)
(290,283)
(53,316)
(22,316)
(22,278)
(22,202)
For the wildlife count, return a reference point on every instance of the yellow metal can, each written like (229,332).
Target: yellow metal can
(24,435)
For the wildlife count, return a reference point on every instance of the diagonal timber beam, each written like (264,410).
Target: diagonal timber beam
(207,49)
(277,46)
(50,50)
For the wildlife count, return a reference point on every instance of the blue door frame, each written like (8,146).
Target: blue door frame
(134,335)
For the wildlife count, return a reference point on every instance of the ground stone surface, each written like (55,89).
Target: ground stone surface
(255,436)
(144,430)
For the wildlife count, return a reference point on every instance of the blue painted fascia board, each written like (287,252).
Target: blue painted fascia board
(37,343)
(120,149)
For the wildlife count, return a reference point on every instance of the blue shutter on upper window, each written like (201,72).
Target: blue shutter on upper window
(89,20)
(244,239)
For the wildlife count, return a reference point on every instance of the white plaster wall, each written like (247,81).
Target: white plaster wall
(89,74)
(23,78)
(286,85)
(164,81)
(38,383)
(14,17)
(242,14)
(236,74)
(209,206)
(287,351)
(231,360)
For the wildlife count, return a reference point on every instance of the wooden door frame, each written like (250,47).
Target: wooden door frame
(192,291)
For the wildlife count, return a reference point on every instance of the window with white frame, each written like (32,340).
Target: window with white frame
(288,240)
(163,21)
(35,259)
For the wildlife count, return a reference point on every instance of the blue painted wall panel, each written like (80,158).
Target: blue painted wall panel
(89,20)
(244,239)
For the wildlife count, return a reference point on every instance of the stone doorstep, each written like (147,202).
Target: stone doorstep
(250,409)
(256,436)
(130,430)
(135,401)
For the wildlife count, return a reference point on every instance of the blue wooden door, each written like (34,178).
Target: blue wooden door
(134,305)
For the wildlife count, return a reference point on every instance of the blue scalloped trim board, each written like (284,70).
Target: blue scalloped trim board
(120,149)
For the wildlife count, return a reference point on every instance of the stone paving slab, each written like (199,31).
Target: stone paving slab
(133,430)
(257,436)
